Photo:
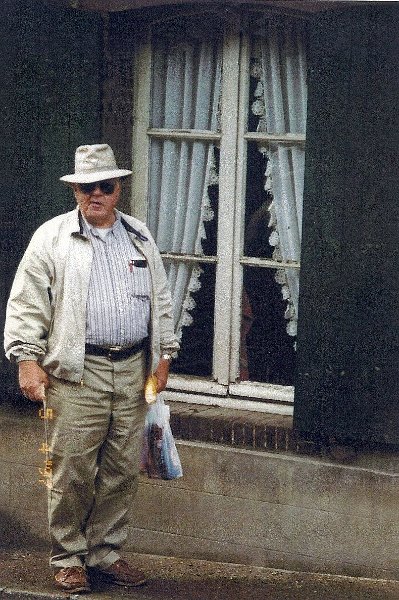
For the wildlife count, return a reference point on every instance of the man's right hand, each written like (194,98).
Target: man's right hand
(33,381)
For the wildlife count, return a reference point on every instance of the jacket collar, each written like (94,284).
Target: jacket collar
(136,232)
(79,229)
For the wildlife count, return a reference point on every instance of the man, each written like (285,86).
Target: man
(88,318)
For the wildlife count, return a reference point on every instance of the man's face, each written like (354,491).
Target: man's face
(98,200)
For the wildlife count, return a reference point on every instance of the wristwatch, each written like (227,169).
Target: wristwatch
(167,356)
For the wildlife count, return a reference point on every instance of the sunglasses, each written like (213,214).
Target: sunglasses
(107,187)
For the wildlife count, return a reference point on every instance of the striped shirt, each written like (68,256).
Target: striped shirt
(118,303)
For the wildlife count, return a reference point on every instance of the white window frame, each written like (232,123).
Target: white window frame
(233,140)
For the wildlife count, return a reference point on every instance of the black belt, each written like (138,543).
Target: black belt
(114,352)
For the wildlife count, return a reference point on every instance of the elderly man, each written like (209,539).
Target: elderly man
(88,318)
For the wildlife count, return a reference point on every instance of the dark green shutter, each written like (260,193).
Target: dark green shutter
(51,60)
(348,340)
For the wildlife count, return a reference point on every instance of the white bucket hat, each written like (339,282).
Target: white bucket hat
(94,163)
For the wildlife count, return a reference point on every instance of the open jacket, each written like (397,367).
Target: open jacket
(46,311)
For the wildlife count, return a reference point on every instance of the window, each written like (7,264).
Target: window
(220,113)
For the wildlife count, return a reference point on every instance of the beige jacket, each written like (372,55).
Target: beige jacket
(46,311)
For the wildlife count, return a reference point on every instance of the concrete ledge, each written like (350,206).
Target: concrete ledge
(281,511)
(262,508)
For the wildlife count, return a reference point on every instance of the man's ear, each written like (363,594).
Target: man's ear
(73,187)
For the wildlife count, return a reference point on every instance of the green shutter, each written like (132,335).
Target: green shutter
(50,103)
(348,339)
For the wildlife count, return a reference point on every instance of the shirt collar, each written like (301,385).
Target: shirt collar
(89,228)
(77,224)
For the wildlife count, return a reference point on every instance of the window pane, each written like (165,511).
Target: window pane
(257,229)
(278,76)
(196,354)
(186,78)
(183,196)
(267,352)
(273,209)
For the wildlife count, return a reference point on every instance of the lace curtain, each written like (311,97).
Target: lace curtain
(186,88)
(281,96)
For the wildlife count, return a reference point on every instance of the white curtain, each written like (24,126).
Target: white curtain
(186,87)
(281,103)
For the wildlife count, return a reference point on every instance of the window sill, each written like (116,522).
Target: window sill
(245,396)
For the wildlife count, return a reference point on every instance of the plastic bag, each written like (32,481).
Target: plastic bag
(159,456)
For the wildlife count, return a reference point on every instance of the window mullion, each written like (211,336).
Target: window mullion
(239,207)
(184,134)
(227,186)
(280,138)
(189,258)
(268,263)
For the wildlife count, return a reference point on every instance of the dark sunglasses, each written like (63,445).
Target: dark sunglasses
(107,187)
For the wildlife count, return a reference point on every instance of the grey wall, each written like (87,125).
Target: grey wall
(243,506)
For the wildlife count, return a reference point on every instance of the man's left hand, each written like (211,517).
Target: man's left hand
(162,373)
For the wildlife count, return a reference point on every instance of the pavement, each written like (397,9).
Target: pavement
(26,575)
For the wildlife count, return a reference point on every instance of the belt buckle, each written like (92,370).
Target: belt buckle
(113,349)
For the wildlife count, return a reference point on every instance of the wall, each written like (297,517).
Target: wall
(244,506)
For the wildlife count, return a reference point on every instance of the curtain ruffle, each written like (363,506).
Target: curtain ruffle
(280,104)
(207,214)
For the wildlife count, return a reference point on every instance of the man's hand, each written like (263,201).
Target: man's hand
(162,373)
(33,381)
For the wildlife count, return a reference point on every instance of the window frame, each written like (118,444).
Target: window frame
(223,389)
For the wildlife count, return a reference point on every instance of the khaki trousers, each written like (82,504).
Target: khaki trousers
(94,437)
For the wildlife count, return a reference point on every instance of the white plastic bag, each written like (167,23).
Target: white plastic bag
(159,456)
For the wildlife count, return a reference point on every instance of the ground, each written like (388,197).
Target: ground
(27,575)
